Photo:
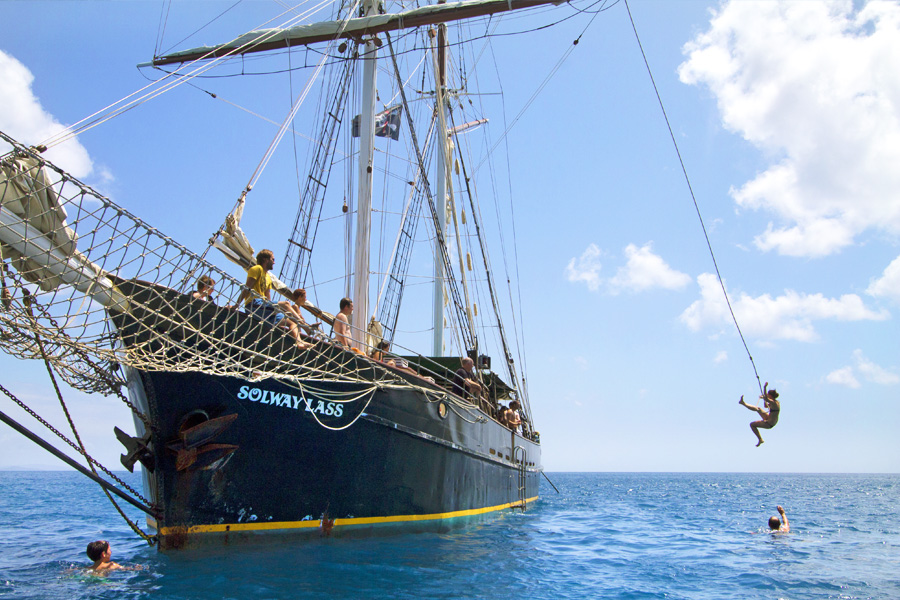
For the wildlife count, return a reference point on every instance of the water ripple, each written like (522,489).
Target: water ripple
(648,535)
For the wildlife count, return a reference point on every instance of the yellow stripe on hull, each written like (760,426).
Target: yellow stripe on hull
(269,526)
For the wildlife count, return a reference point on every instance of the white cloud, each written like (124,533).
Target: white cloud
(873,372)
(645,270)
(24,119)
(888,285)
(721,357)
(816,86)
(843,376)
(867,369)
(586,268)
(786,317)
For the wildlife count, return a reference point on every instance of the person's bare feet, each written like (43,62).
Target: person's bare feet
(741,401)
(759,444)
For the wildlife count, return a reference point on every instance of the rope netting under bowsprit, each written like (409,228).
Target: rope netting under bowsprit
(98,287)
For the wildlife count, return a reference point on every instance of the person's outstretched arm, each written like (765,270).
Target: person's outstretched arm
(785,526)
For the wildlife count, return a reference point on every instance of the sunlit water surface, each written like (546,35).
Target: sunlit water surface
(605,535)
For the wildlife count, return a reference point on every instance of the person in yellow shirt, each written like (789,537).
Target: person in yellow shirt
(257,293)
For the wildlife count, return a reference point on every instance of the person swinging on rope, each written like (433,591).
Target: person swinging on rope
(769,419)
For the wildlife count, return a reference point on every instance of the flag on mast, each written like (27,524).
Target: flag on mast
(387,123)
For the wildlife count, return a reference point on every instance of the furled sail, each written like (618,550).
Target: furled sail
(64,244)
(36,239)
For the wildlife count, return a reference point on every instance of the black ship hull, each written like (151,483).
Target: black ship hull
(272,460)
(321,440)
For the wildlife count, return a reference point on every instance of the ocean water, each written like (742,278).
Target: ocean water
(605,535)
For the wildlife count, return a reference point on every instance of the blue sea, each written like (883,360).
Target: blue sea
(604,535)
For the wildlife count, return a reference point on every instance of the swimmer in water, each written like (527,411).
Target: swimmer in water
(101,553)
(769,419)
(781,526)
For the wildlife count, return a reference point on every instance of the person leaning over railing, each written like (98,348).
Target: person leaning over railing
(465,384)
(293,310)
(205,288)
(514,416)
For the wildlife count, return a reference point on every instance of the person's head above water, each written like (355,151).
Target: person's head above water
(774,523)
(96,550)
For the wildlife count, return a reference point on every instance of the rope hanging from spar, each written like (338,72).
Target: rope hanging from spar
(694,198)
(286,124)
(168,82)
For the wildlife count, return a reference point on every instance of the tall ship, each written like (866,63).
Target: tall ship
(292,396)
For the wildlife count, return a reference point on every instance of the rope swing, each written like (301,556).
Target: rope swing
(694,198)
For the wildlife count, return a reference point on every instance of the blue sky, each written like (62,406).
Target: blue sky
(787,117)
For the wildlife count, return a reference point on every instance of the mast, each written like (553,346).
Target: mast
(445,199)
(360,319)
(366,28)
(441,185)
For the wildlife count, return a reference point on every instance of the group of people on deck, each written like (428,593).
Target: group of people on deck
(256,297)
(466,385)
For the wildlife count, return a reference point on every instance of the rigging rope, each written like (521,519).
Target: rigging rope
(163,85)
(470,339)
(693,197)
(98,262)
(81,447)
(72,444)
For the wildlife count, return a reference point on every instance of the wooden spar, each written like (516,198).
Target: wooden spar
(301,35)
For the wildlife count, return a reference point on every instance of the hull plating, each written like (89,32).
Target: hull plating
(333,458)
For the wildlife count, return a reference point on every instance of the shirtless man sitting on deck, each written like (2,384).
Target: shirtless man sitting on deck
(342,323)
(297,322)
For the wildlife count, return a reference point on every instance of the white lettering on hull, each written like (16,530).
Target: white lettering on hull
(254,394)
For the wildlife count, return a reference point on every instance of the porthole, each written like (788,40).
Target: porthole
(442,410)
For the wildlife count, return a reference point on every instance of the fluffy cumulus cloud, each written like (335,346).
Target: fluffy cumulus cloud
(866,369)
(888,285)
(24,119)
(843,376)
(790,316)
(816,86)
(643,270)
